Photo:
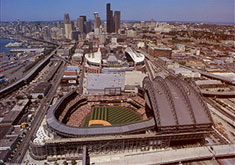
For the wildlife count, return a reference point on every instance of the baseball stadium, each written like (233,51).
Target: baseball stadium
(164,111)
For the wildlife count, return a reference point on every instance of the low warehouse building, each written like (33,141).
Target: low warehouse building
(42,89)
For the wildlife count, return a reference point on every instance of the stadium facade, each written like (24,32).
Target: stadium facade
(175,109)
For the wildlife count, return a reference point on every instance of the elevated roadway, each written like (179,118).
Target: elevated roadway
(28,77)
(177,156)
(218,94)
(22,149)
(213,76)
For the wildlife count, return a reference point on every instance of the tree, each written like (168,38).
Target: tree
(40,96)
(19,97)
(73,162)
(29,97)
(56,163)
(65,163)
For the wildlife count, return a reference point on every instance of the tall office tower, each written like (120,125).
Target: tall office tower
(18,26)
(84,18)
(105,27)
(81,24)
(75,35)
(72,24)
(112,23)
(88,26)
(152,23)
(96,15)
(109,16)
(67,26)
(111,20)
(97,21)
(46,33)
(117,20)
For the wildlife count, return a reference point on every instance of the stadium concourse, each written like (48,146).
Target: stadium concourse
(165,111)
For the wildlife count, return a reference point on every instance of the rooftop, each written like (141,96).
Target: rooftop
(136,57)
(105,80)
(73,68)
(94,57)
(40,88)
(134,78)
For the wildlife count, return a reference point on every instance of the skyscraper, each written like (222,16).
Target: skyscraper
(66,18)
(84,23)
(109,15)
(97,21)
(81,24)
(105,27)
(88,26)
(96,15)
(84,18)
(111,20)
(67,26)
(117,20)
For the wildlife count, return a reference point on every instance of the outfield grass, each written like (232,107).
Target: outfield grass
(114,115)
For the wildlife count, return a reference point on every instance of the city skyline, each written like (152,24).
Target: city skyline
(208,11)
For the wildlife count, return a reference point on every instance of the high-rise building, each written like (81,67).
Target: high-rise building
(152,23)
(88,26)
(105,27)
(97,21)
(66,18)
(75,35)
(67,26)
(72,24)
(112,19)
(112,23)
(96,15)
(46,33)
(84,18)
(81,24)
(117,20)
(109,15)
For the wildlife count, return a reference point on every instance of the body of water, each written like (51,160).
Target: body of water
(3,43)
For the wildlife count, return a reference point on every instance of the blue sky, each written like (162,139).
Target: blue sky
(163,10)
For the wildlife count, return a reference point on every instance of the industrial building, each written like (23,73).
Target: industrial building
(41,89)
(14,116)
(186,72)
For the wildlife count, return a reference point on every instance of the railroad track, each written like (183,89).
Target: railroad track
(36,122)
(218,108)
(219,138)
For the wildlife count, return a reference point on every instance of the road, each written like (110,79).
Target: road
(174,156)
(18,157)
